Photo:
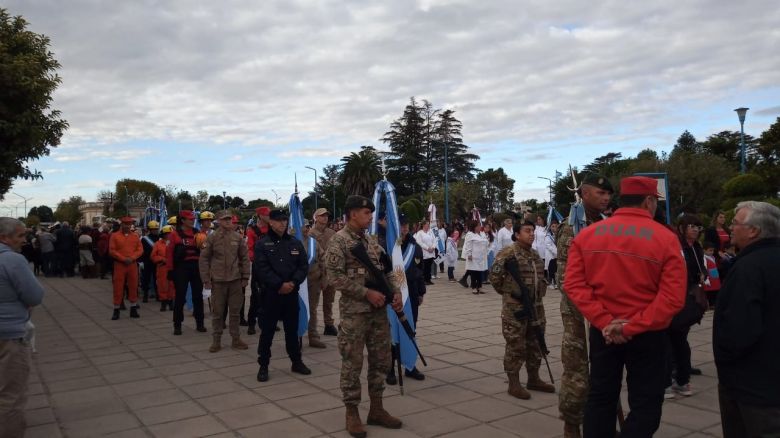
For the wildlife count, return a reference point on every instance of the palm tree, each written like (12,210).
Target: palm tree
(361,171)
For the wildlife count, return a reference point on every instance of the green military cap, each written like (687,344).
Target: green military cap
(357,201)
(598,181)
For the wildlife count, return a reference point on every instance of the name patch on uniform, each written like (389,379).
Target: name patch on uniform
(294,252)
(269,244)
(361,271)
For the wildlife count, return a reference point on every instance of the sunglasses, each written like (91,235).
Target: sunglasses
(695,227)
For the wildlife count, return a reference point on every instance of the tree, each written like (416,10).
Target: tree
(360,171)
(407,157)
(44,213)
(136,192)
(609,165)
(460,163)
(329,187)
(768,155)
(68,210)
(28,128)
(201,199)
(259,202)
(696,182)
(726,144)
(236,202)
(496,189)
(687,143)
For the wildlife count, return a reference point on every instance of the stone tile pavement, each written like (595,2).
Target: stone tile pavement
(133,378)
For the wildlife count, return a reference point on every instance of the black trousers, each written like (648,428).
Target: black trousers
(274,308)
(679,357)
(476,278)
(427,265)
(184,274)
(644,358)
(740,420)
(148,277)
(254,303)
(552,269)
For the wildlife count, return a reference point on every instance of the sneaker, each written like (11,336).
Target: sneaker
(668,393)
(684,390)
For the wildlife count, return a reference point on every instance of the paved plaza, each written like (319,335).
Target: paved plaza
(133,378)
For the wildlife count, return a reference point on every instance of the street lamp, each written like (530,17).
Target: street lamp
(315,186)
(276,204)
(25,202)
(224,200)
(548,179)
(741,114)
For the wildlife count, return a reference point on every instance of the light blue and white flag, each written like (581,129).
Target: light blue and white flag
(552,213)
(385,190)
(296,229)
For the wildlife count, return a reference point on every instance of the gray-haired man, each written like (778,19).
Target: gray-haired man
(19,291)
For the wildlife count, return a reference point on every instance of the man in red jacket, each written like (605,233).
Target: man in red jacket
(626,275)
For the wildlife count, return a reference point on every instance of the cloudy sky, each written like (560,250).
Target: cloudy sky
(241,95)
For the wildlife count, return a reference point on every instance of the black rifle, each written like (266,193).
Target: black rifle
(381,285)
(528,313)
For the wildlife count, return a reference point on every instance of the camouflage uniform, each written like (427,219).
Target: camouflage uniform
(574,350)
(321,284)
(362,325)
(316,279)
(521,344)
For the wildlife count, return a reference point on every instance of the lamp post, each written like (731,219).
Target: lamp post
(446,184)
(741,114)
(548,179)
(276,204)
(315,186)
(224,200)
(25,202)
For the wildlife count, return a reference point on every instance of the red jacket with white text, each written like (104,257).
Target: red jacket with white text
(627,267)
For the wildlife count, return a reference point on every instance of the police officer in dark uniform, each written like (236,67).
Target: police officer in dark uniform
(280,266)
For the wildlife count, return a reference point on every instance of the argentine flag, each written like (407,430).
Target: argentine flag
(384,189)
(296,229)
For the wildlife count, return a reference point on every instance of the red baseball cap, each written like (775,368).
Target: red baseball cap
(234,219)
(263,211)
(639,185)
(187,214)
(127,220)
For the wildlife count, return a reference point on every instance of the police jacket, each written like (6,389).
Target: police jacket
(746,326)
(627,267)
(279,259)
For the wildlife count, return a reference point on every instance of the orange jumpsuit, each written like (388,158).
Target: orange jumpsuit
(121,247)
(158,256)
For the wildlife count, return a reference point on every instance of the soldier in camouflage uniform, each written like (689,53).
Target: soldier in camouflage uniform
(521,344)
(596,192)
(364,322)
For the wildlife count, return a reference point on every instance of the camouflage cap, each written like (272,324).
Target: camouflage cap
(598,181)
(357,201)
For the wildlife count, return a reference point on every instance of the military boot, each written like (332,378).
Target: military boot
(316,343)
(134,312)
(238,344)
(535,383)
(216,345)
(515,388)
(115,315)
(378,416)
(354,425)
(571,430)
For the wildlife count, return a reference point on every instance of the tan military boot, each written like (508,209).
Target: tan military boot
(354,425)
(238,344)
(515,388)
(378,416)
(535,383)
(571,430)
(316,343)
(216,345)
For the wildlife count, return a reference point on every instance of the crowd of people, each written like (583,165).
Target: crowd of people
(631,289)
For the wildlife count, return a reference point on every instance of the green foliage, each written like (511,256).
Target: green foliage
(361,171)
(28,129)
(748,185)
(43,212)
(687,144)
(411,210)
(136,192)
(496,190)
(68,210)
(32,220)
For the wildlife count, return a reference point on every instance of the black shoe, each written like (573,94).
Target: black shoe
(251,331)
(146,299)
(163,307)
(463,282)
(429,283)
(243,323)
(262,374)
(201,328)
(177,330)
(330,331)
(122,306)
(391,379)
(115,316)
(300,368)
(695,371)
(414,374)
(170,305)
(277,329)
(134,312)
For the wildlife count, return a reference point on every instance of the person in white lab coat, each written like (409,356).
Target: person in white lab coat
(475,252)
(504,236)
(451,257)
(425,239)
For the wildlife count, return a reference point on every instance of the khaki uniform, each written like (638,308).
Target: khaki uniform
(521,344)
(574,350)
(362,325)
(316,279)
(224,262)
(323,237)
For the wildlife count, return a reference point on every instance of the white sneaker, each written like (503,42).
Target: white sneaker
(684,390)
(668,393)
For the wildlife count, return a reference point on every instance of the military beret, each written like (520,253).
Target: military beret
(357,201)
(598,181)
(277,215)
(402,219)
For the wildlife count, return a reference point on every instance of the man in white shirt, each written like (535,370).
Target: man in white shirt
(504,236)
(427,242)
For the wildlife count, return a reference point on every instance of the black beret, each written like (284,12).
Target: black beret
(598,181)
(402,219)
(357,201)
(277,215)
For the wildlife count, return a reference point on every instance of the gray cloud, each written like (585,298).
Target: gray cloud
(772,111)
(334,73)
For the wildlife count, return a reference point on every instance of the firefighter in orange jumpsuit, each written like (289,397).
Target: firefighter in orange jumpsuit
(165,290)
(125,248)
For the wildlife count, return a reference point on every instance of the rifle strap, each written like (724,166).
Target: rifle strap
(513,268)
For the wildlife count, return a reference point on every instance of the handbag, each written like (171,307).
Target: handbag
(695,305)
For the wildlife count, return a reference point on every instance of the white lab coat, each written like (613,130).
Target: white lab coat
(452,253)
(476,246)
(538,245)
(426,241)
(550,249)
(503,239)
